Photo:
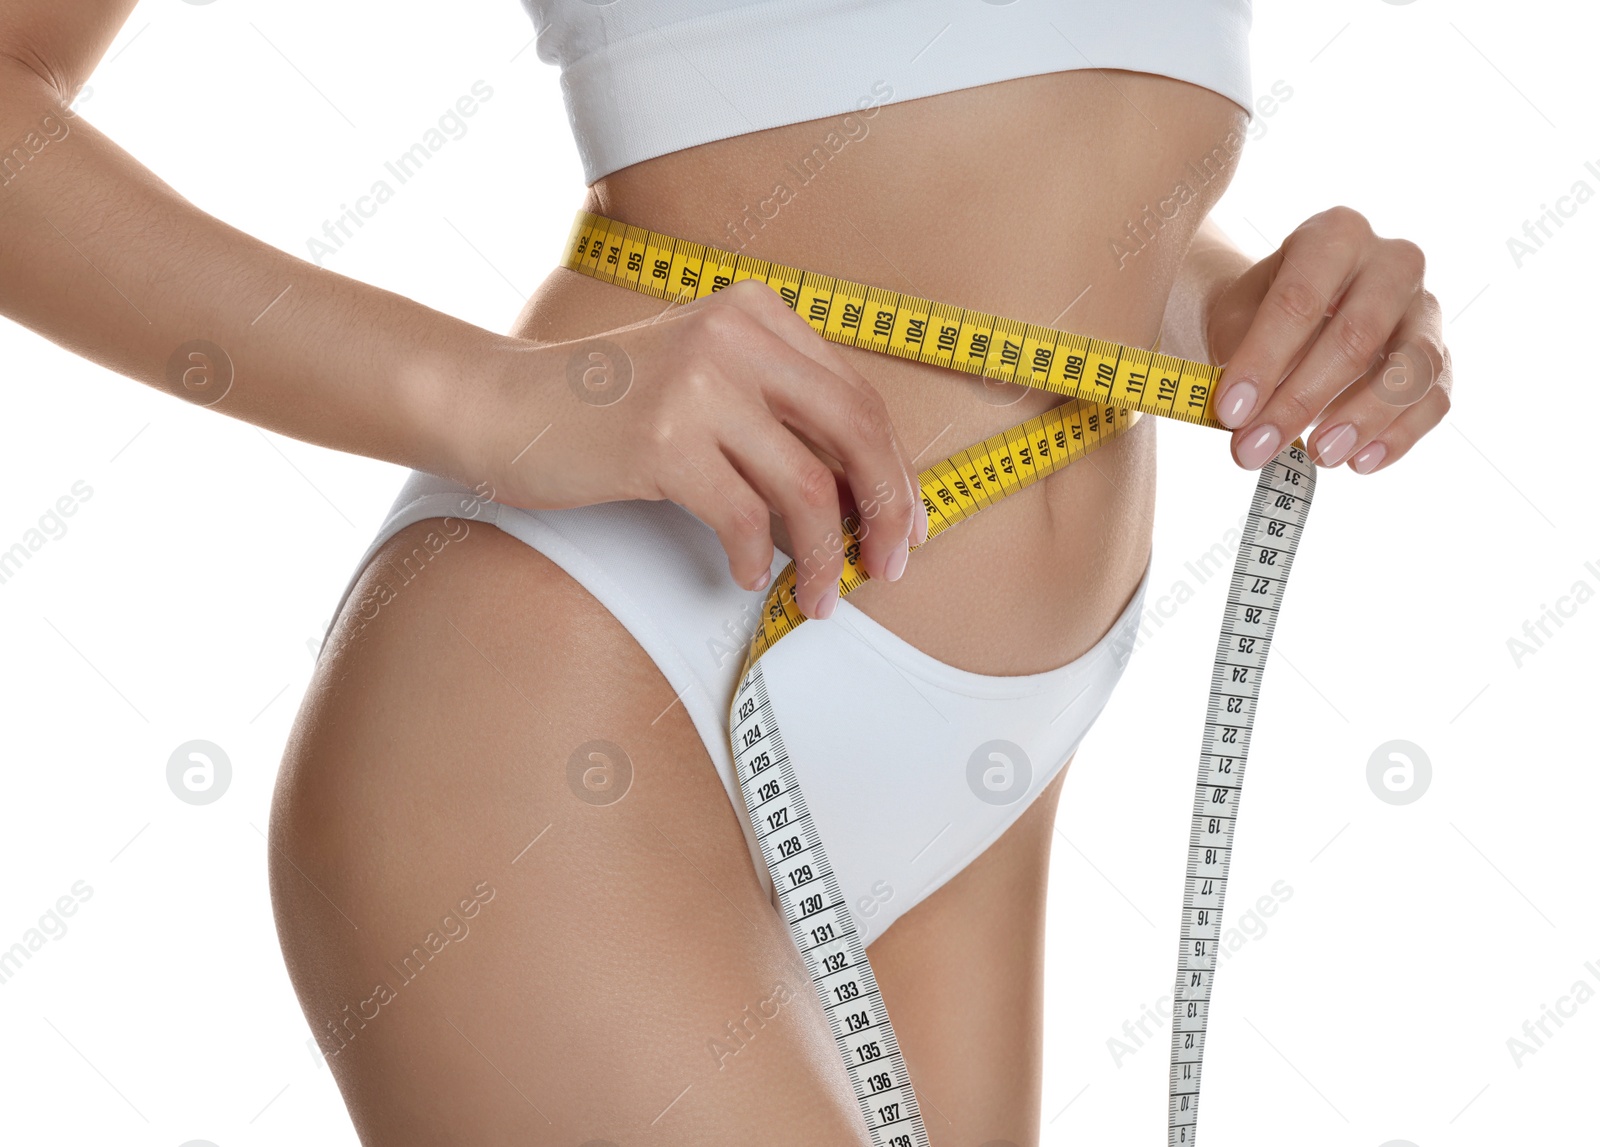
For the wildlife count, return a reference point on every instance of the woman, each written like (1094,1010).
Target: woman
(511,773)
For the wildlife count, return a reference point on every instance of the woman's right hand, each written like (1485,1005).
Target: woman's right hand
(706,406)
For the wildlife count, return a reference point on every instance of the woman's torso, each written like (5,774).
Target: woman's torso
(1066,199)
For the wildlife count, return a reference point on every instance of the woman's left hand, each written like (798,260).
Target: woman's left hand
(1336,323)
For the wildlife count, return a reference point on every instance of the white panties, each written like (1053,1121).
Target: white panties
(911,766)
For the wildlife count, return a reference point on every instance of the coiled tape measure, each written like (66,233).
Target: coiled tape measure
(1108,386)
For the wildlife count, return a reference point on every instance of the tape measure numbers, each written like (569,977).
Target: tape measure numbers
(1272,533)
(1108,386)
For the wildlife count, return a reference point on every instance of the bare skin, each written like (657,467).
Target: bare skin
(607,949)
(433,749)
(483,675)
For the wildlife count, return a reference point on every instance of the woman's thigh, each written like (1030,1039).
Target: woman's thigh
(489,951)
(492,944)
(962,974)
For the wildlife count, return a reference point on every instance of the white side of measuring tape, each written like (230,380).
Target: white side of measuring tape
(1260,575)
(820,923)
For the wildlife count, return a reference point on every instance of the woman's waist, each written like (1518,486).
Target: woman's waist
(976,220)
(936,411)
(1027,584)
(1056,524)
(1032,581)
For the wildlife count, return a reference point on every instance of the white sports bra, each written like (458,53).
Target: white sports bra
(645,77)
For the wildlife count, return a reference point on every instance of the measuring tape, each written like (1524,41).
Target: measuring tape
(1108,386)
(1260,575)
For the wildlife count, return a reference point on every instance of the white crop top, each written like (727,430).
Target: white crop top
(645,77)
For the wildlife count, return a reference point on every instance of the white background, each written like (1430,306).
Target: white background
(188,594)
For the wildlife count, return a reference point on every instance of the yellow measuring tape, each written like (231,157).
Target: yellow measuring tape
(1111,384)
(1108,385)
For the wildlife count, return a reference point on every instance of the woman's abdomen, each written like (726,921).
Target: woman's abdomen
(1066,200)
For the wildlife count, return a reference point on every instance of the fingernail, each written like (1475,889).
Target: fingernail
(1335,444)
(1259,447)
(1235,405)
(897,563)
(1367,461)
(922,523)
(763,581)
(824,608)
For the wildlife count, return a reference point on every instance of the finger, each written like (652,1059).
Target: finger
(780,530)
(852,424)
(768,308)
(1396,440)
(804,492)
(1318,261)
(1350,345)
(1414,361)
(711,489)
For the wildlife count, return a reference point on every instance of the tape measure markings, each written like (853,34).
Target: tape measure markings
(1069,364)
(958,487)
(1261,571)
(820,923)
